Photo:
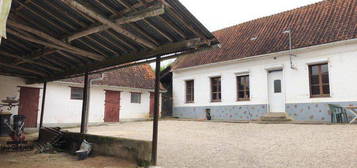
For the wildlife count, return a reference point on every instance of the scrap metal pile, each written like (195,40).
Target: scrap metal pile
(50,138)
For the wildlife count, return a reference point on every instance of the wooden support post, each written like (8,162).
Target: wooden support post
(85,104)
(43,103)
(156,112)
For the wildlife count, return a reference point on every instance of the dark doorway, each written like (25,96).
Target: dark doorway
(112,106)
(29,100)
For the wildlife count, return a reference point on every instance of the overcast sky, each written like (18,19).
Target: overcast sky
(219,14)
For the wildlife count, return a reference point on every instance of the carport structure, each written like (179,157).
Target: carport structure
(58,39)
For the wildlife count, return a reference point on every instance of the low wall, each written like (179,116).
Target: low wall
(128,149)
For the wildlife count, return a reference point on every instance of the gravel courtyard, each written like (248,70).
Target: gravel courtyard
(232,145)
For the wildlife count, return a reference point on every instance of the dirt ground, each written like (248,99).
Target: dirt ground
(59,160)
(189,144)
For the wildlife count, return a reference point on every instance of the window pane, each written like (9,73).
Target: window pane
(325,78)
(326,89)
(315,79)
(189,91)
(314,69)
(214,88)
(315,90)
(241,94)
(214,96)
(324,68)
(135,97)
(277,86)
(77,93)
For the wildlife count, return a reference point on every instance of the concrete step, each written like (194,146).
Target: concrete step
(276,117)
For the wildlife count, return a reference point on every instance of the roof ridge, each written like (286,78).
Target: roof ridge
(279,13)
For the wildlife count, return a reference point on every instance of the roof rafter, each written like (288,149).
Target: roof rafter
(23,69)
(74,4)
(165,49)
(30,61)
(134,17)
(58,44)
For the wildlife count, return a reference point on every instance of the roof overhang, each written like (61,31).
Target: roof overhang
(52,40)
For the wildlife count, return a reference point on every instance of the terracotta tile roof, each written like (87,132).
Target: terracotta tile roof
(140,76)
(319,23)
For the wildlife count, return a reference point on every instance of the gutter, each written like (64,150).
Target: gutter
(276,54)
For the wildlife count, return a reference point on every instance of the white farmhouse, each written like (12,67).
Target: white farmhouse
(120,95)
(254,73)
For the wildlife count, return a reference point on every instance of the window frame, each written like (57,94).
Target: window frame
(219,91)
(192,91)
(76,88)
(246,89)
(321,84)
(131,97)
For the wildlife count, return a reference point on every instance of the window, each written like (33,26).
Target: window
(243,88)
(319,80)
(216,89)
(76,93)
(136,98)
(277,86)
(190,91)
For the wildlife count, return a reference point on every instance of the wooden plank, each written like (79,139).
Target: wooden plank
(30,61)
(134,17)
(159,31)
(23,69)
(135,56)
(114,26)
(42,17)
(173,27)
(37,54)
(56,41)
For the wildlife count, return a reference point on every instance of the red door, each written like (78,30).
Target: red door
(29,99)
(112,106)
(152,103)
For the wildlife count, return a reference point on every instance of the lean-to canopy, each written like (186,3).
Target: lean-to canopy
(52,40)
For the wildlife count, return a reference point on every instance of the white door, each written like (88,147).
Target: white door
(276,92)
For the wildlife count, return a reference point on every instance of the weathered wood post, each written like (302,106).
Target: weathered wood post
(156,111)
(85,104)
(43,103)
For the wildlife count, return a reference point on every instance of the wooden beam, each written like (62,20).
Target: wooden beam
(76,60)
(136,56)
(114,26)
(42,17)
(63,45)
(17,75)
(44,43)
(173,27)
(159,31)
(134,17)
(37,54)
(23,69)
(30,61)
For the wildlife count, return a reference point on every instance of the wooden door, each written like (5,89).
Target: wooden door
(152,103)
(29,99)
(112,106)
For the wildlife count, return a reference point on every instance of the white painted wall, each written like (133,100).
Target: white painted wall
(61,110)
(342,59)
(10,87)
